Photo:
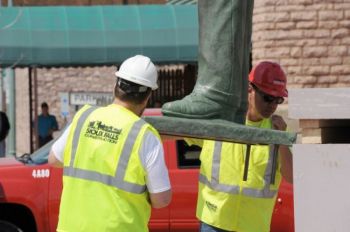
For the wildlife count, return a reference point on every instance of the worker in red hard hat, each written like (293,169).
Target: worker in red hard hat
(267,89)
(226,200)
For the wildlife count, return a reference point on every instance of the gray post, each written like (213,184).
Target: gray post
(11,105)
(2,76)
(11,110)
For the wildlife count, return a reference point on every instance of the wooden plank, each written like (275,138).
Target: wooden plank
(311,140)
(309,123)
(307,132)
(319,103)
(311,135)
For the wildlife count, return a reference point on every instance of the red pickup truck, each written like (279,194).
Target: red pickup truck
(30,193)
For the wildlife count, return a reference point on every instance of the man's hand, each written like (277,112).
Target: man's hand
(278,123)
(160,200)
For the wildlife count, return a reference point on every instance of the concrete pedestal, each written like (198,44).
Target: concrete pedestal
(321,164)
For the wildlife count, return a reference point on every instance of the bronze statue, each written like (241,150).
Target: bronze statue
(225,28)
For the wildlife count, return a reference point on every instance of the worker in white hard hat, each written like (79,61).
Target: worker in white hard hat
(113,161)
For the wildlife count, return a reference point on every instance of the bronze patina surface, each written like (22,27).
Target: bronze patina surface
(220,130)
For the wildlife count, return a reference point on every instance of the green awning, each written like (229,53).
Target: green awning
(97,35)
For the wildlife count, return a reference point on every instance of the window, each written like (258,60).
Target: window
(187,156)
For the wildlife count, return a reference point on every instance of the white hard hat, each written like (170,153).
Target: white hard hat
(140,70)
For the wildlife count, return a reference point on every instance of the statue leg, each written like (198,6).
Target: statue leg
(246,44)
(223,62)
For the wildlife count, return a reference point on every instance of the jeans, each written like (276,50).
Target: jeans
(204,227)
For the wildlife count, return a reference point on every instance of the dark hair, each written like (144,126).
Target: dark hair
(131,92)
(4,125)
(44,104)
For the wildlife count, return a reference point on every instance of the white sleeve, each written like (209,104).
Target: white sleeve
(60,144)
(152,158)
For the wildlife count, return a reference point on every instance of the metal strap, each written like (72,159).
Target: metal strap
(274,163)
(246,163)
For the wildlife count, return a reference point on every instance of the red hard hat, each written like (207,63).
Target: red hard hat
(269,78)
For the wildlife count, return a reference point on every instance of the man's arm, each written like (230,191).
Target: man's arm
(286,163)
(286,155)
(157,178)
(57,149)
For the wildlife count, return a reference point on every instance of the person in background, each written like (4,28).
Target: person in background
(113,161)
(4,130)
(47,124)
(225,201)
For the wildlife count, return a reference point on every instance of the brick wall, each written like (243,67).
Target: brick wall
(310,38)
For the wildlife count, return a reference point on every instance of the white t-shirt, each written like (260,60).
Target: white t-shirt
(152,159)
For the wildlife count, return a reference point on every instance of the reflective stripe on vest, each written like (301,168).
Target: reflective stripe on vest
(118,179)
(234,189)
(214,183)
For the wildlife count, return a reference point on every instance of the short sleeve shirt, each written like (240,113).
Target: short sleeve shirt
(45,124)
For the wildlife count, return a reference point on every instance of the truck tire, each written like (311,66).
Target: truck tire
(9,227)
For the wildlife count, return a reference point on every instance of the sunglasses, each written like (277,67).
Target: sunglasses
(268,98)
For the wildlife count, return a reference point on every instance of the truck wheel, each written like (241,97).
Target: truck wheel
(9,227)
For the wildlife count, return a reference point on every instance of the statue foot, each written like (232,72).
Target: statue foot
(198,107)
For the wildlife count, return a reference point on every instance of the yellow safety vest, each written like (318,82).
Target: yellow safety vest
(104,185)
(224,199)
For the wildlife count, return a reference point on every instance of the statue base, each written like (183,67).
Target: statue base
(219,130)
